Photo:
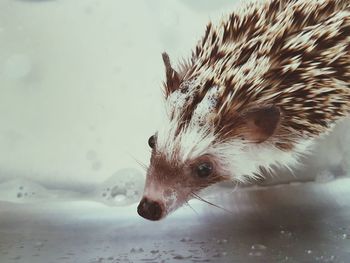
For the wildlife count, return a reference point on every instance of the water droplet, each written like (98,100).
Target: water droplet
(319,258)
(220,254)
(119,198)
(186,239)
(136,250)
(19,195)
(96,166)
(344,236)
(39,244)
(308,251)
(285,233)
(258,247)
(221,241)
(255,254)
(117,190)
(181,257)
(130,193)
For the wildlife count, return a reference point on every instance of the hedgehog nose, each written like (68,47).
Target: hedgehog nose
(149,209)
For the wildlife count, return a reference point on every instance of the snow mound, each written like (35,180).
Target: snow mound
(123,188)
(23,190)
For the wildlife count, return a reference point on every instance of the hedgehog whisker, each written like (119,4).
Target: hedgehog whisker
(196,196)
(235,185)
(143,165)
(191,208)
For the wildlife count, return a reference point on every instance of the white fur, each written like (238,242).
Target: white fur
(196,136)
(237,158)
(242,160)
(191,142)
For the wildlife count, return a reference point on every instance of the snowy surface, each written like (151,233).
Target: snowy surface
(304,222)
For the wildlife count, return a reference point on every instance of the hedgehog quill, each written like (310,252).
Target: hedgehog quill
(259,88)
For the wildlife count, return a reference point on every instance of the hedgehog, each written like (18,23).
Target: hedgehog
(258,90)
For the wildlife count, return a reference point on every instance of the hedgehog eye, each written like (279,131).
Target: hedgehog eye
(152,141)
(204,169)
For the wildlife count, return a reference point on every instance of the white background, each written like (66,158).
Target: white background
(80,83)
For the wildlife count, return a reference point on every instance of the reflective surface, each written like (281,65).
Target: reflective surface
(299,222)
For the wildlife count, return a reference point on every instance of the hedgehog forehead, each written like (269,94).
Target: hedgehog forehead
(180,97)
(191,100)
(190,143)
(185,139)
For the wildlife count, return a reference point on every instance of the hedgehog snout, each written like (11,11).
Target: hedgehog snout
(150,209)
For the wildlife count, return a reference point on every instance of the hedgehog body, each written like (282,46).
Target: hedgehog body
(257,91)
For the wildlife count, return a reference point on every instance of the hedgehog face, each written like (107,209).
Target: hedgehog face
(172,181)
(190,157)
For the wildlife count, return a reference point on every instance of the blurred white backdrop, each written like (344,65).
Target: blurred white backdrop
(80,81)
(80,84)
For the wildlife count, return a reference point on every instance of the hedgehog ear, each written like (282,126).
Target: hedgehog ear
(260,123)
(172,77)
